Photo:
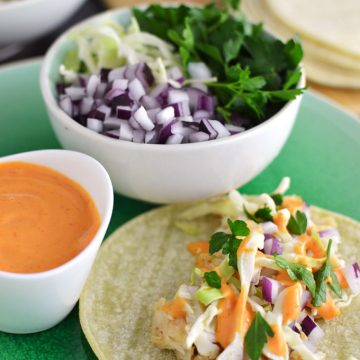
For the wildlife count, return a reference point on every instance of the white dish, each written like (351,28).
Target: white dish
(24,20)
(168,173)
(38,301)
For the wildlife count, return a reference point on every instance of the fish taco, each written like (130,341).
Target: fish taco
(235,277)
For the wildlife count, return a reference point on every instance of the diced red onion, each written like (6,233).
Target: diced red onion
(194,95)
(201,114)
(112,133)
(176,74)
(234,129)
(160,93)
(165,115)
(149,102)
(311,329)
(330,234)
(181,108)
(198,70)
(135,124)
(206,102)
(86,105)
(179,128)
(305,297)
(139,136)
(206,127)
(113,93)
(121,100)
(136,89)
(272,245)
(100,90)
(144,75)
(150,137)
(143,119)
(199,137)
(352,276)
(126,131)
(83,80)
(104,75)
(121,84)
(102,112)
(175,139)
(75,92)
(185,119)
(270,289)
(117,73)
(166,131)
(123,112)
(92,85)
(219,128)
(129,72)
(176,96)
(94,125)
(152,114)
(66,104)
(112,123)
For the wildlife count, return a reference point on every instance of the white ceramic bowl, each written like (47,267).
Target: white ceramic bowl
(35,302)
(168,173)
(24,20)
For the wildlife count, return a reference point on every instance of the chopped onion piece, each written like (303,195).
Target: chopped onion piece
(123,112)
(175,139)
(201,114)
(206,127)
(198,137)
(219,128)
(176,96)
(94,125)
(126,131)
(117,73)
(139,136)
(270,289)
(121,84)
(136,89)
(198,70)
(149,102)
(272,245)
(75,92)
(66,104)
(112,123)
(92,85)
(352,276)
(102,112)
(165,115)
(143,119)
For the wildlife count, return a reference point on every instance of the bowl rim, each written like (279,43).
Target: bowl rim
(109,202)
(70,123)
(18,4)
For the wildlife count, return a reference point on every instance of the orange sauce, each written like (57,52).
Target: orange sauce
(277,344)
(292,304)
(175,308)
(46,219)
(328,310)
(198,247)
(292,203)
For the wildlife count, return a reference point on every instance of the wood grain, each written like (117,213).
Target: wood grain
(350,99)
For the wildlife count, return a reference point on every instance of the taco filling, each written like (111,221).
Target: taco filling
(261,286)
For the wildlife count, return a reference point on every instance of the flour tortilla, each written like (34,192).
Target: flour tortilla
(334,24)
(322,64)
(146,259)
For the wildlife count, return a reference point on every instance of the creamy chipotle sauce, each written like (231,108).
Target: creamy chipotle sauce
(46,218)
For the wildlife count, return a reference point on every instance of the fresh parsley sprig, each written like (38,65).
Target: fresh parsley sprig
(326,277)
(278,199)
(257,337)
(260,215)
(297,225)
(297,272)
(229,243)
(213,279)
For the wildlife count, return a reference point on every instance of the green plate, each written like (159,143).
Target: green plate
(322,157)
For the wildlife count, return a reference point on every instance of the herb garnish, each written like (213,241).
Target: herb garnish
(256,337)
(261,215)
(297,225)
(255,72)
(278,199)
(229,243)
(213,279)
(324,277)
(297,272)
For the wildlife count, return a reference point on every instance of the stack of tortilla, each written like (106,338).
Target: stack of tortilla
(329,32)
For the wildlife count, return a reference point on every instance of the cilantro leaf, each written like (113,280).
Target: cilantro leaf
(261,215)
(213,279)
(297,272)
(229,243)
(256,337)
(217,242)
(278,199)
(238,227)
(324,277)
(297,225)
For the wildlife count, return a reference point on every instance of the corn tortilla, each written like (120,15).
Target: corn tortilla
(146,259)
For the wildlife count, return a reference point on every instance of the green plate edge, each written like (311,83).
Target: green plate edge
(322,157)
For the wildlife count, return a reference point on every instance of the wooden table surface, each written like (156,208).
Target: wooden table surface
(348,98)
